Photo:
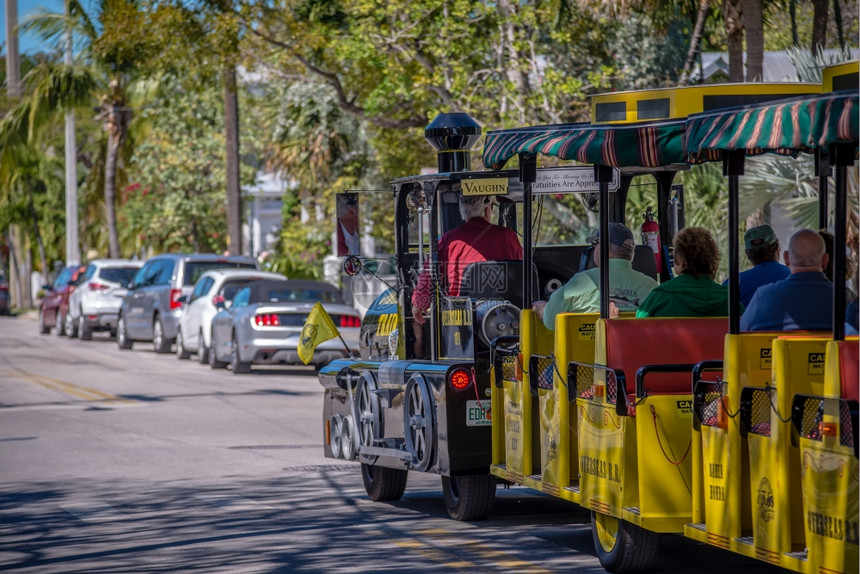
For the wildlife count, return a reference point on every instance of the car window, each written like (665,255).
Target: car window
(230,288)
(194,269)
(276,295)
(121,275)
(242,297)
(63,278)
(165,272)
(202,287)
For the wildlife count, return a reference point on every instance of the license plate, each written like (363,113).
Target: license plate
(476,416)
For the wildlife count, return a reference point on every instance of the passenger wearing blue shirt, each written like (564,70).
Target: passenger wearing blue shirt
(803,301)
(762,248)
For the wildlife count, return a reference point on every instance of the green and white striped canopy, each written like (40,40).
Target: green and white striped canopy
(650,145)
(785,128)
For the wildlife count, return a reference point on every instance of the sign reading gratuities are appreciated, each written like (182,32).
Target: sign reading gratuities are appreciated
(571,180)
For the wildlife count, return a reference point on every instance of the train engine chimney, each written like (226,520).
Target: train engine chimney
(452,136)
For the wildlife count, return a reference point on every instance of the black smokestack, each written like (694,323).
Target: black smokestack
(452,136)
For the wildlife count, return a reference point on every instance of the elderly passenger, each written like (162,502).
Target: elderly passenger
(693,292)
(803,301)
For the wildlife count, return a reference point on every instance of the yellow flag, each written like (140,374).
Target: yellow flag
(318,328)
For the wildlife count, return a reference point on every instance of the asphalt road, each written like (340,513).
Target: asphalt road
(127,461)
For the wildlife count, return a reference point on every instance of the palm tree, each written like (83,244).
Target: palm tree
(108,74)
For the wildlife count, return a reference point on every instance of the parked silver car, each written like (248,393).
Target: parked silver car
(151,308)
(264,324)
(94,304)
(215,288)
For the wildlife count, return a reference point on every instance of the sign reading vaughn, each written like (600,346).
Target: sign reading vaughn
(570,179)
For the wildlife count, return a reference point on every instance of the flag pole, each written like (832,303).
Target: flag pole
(345,346)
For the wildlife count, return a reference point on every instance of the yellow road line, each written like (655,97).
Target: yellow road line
(439,544)
(86,393)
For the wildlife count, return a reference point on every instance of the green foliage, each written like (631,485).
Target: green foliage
(177,200)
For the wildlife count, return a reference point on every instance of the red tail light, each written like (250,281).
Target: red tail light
(175,294)
(4,287)
(267,320)
(350,321)
(94,286)
(460,379)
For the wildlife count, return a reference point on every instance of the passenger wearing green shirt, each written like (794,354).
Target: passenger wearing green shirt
(693,292)
(627,288)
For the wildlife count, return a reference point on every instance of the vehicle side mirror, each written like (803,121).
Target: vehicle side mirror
(46,288)
(183,299)
(352,265)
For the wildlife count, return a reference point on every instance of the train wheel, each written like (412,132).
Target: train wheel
(469,497)
(621,546)
(383,483)
(367,414)
(419,425)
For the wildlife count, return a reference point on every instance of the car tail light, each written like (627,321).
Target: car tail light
(4,287)
(175,294)
(460,379)
(267,320)
(95,286)
(218,300)
(350,321)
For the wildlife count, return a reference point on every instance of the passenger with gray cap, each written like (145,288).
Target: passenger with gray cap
(627,287)
(762,249)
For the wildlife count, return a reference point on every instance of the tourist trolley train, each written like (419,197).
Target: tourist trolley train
(745,441)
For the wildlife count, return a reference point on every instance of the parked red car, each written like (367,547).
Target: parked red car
(55,302)
(5,307)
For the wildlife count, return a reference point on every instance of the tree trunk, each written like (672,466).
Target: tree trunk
(792,12)
(819,25)
(754,30)
(37,234)
(231,132)
(114,139)
(837,16)
(695,41)
(733,13)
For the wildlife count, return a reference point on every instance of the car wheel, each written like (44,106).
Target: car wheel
(159,341)
(43,330)
(70,326)
(469,497)
(383,484)
(622,546)
(60,325)
(181,353)
(122,340)
(239,367)
(202,349)
(84,330)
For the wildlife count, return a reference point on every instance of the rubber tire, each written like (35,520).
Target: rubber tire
(383,484)
(160,343)
(469,497)
(202,349)
(213,360)
(60,325)
(43,330)
(71,327)
(181,353)
(238,367)
(122,340)
(85,332)
(626,547)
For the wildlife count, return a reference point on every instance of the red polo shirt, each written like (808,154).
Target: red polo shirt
(474,241)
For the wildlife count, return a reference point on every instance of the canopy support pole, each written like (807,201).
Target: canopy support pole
(733,167)
(603,177)
(528,175)
(823,171)
(843,157)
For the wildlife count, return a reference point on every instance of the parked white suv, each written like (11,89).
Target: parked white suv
(214,290)
(94,304)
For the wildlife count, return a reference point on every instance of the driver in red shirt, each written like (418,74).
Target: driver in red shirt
(476,240)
